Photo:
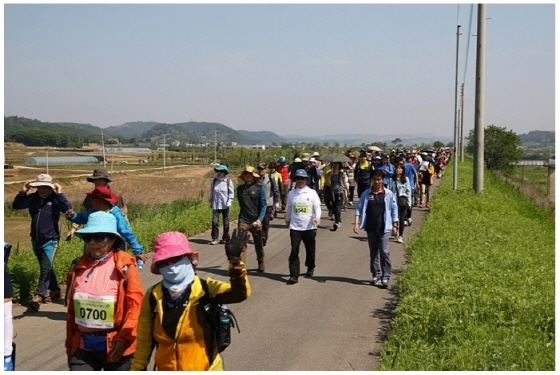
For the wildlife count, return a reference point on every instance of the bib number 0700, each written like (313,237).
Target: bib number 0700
(94,314)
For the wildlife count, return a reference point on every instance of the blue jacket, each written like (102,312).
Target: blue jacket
(388,172)
(398,189)
(122,227)
(391,214)
(45,213)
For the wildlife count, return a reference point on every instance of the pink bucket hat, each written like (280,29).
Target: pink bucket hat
(168,245)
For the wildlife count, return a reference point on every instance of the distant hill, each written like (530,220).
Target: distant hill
(358,139)
(262,137)
(538,138)
(131,129)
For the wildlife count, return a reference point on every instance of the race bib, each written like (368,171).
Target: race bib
(94,311)
(301,209)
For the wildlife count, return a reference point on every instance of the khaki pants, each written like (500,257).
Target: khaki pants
(257,239)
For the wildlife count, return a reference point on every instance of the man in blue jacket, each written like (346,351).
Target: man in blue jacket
(377,213)
(45,206)
(387,168)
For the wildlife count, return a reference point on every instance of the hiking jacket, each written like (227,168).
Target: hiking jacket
(362,172)
(272,193)
(285,173)
(221,193)
(388,172)
(252,202)
(122,227)
(390,216)
(45,213)
(127,306)
(188,350)
(400,189)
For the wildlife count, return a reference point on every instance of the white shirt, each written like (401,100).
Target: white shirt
(302,206)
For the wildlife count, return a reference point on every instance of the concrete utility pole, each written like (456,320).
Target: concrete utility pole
(47,151)
(455,130)
(462,137)
(164,151)
(215,144)
(103,147)
(478,172)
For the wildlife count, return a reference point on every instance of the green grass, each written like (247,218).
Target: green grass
(478,290)
(535,177)
(147,222)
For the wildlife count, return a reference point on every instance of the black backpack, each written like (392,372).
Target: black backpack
(220,319)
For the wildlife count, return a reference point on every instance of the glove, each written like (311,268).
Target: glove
(234,245)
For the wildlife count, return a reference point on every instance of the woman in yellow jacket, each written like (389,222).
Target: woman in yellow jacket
(178,323)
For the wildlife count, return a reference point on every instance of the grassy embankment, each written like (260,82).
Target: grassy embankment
(478,290)
(147,221)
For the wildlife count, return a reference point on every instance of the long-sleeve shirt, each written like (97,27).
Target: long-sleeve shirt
(221,193)
(302,206)
(401,189)
(268,181)
(252,202)
(122,227)
(390,215)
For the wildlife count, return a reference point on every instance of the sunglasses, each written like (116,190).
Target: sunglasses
(261,169)
(97,237)
(300,178)
(168,261)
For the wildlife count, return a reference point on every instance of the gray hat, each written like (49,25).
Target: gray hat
(301,173)
(99,173)
(43,180)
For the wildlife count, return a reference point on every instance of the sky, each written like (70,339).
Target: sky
(312,69)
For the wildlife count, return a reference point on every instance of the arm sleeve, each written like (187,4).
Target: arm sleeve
(231,191)
(262,204)
(80,218)
(237,290)
(133,296)
(316,205)
(124,230)
(21,201)
(288,206)
(143,352)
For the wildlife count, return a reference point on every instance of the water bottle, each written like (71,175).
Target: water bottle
(139,263)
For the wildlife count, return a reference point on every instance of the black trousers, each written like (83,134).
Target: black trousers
(216,220)
(327,197)
(266,221)
(402,218)
(85,360)
(351,193)
(308,238)
(361,188)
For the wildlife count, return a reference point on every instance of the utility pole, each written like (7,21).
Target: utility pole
(462,140)
(164,151)
(215,144)
(456,133)
(478,172)
(47,151)
(103,147)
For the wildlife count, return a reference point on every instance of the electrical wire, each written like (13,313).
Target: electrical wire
(468,44)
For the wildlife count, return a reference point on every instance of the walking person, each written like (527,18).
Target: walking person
(103,298)
(351,181)
(252,210)
(303,215)
(284,171)
(45,206)
(400,187)
(427,180)
(387,168)
(221,199)
(362,173)
(173,319)
(268,181)
(279,183)
(377,214)
(9,352)
(335,179)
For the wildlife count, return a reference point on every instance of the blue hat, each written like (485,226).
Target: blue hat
(100,222)
(281,159)
(301,173)
(221,168)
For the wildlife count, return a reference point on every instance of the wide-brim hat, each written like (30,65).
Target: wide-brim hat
(249,169)
(43,180)
(297,160)
(99,173)
(100,222)
(104,193)
(168,245)
(221,168)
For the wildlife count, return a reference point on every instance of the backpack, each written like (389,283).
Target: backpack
(220,319)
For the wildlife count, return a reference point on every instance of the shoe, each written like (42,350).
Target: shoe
(375,282)
(330,213)
(292,280)
(53,296)
(336,226)
(350,203)
(35,303)
(264,241)
(399,239)
(221,242)
(261,267)
(309,273)
(405,223)
(385,283)
(422,205)
(8,363)
(214,242)
(410,222)
(427,205)
(343,209)
(332,217)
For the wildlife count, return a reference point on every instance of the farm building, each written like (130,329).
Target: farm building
(61,160)
(124,149)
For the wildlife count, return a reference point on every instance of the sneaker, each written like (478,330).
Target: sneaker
(292,280)
(406,223)
(332,217)
(427,205)
(263,241)
(422,205)
(221,242)
(8,363)
(214,242)
(350,203)
(309,273)
(343,209)
(35,303)
(375,281)
(399,239)
(261,267)
(53,296)
(385,283)
(409,222)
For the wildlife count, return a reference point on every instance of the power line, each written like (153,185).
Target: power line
(468,44)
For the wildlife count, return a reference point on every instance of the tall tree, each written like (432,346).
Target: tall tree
(501,148)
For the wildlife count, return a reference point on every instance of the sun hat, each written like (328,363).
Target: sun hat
(306,155)
(103,192)
(301,173)
(281,159)
(168,245)
(312,160)
(249,169)
(99,173)
(297,160)
(306,158)
(43,180)
(221,168)
(261,166)
(316,153)
(100,222)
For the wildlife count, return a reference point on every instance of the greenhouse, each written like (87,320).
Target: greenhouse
(124,149)
(61,160)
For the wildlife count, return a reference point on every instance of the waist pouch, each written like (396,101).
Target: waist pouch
(95,343)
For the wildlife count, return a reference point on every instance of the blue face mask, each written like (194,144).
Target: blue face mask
(177,276)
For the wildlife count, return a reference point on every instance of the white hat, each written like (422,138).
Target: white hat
(315,153)
(297,160)
(43,180)
(312,160)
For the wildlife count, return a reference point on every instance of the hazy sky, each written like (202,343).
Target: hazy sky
(291,69)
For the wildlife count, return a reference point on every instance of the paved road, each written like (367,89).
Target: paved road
(335,321)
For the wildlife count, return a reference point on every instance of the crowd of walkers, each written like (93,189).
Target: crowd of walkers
(112,324)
